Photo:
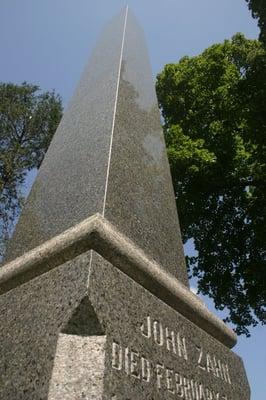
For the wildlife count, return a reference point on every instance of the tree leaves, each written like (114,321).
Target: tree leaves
(211,106)
(258,10)
(28,120)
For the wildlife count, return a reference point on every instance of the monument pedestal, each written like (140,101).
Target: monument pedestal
(81,327)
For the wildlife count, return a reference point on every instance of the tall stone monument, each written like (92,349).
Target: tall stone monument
(94,297)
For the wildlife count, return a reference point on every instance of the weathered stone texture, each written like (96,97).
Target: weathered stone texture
(156,364)
(108,156)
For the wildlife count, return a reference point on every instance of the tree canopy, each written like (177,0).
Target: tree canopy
(214,113)
(28,120)
(258,10)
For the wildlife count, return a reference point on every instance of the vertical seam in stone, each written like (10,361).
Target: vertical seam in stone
(89,274)
(114,114)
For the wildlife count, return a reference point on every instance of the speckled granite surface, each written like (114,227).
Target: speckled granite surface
(108,156)
(150,350)
(78,371)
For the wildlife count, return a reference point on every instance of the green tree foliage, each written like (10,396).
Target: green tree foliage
(214,108)
(258,10)
(28,120)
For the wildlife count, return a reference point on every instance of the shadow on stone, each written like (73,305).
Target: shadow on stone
(78,370)
(84,321)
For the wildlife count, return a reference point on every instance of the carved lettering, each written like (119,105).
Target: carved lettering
(187,388)
(146,327)
(226,373)
(158,333)
(194,390)
(134,364)
(170,380)
(131,362)
(163,336)
(202,395)
(181,345)
(170,340)
(159,374)
(209,363)
(137,366)
(117,356)
(209,394)
(179,385)
(200,358)
(127,360)
(145,369)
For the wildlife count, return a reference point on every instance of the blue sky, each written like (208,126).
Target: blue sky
(48,43)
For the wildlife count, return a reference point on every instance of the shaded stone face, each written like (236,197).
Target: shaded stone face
(153,352)
(108,156)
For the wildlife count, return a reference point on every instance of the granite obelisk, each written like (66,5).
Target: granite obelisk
(94,298)
(108,156)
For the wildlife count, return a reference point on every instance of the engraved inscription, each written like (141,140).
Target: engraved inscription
(185,388)
(214,366)
(131,362)
(138,366)
(165,379)
(163,336)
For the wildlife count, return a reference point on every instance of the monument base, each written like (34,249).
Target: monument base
(91,329)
